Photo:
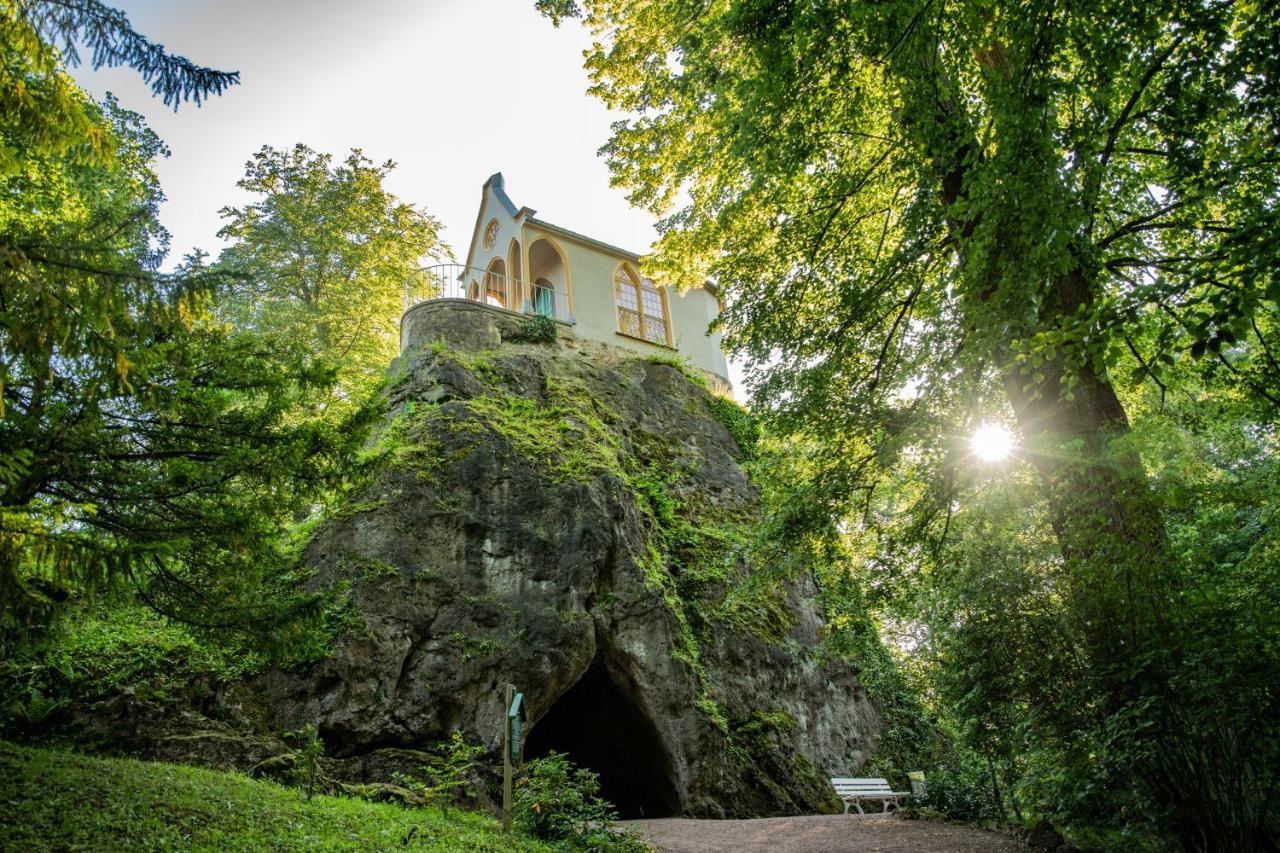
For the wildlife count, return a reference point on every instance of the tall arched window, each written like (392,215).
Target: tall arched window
(496,285)
(642,307)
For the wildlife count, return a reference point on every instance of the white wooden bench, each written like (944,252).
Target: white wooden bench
(853,791)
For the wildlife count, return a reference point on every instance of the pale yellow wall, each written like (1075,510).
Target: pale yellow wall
(695,312)
(507,229)
(589,289)
(591,271)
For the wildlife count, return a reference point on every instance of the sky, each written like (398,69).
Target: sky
(451,90)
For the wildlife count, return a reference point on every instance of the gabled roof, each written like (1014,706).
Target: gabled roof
(495,183)
(582,238)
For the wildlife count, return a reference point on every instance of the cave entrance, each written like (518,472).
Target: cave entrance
(600,726)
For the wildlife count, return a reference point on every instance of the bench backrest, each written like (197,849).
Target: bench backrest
(852,787)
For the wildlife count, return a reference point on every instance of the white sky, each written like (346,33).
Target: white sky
(451,90)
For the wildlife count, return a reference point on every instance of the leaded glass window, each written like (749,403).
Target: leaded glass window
(642,310)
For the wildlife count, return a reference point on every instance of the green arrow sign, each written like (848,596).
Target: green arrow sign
(515,721)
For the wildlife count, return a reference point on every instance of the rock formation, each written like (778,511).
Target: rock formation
(565,517)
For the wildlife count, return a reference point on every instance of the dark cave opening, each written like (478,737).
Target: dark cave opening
(599,726)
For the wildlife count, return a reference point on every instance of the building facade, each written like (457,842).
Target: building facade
(517,262)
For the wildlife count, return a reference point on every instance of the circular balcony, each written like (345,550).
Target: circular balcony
(505,293)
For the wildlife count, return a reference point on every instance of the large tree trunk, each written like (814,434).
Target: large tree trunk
(1106,518)
(1121,573)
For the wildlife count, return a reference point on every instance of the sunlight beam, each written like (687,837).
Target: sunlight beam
(991,442)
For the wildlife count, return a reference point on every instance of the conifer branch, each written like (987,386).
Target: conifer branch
(113,41)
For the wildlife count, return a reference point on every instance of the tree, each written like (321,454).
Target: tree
(143,443)
(325,252)
(42,109)
(923,214)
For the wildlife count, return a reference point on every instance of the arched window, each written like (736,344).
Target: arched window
(542,298)
(642,307)
(496,285)
(548,275)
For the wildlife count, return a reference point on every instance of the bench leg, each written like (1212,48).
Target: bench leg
(846,806)
(858,803)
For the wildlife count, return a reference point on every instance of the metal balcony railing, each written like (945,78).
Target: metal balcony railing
(459,281)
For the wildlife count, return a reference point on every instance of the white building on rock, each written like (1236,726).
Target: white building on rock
(517,262)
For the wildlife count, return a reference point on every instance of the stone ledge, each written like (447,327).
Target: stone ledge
(462,324)
(469,325)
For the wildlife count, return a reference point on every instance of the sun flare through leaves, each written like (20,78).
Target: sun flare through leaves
(991,442)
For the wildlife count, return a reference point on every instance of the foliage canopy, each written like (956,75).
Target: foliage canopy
(925,214)
(141,439)
(323,253)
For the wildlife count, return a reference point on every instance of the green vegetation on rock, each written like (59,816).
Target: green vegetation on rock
(537,329)
(681,364)
(741,424)
(567,436)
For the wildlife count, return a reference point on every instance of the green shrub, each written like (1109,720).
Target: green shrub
(962,791)
(446,777)
(558,802)
(537,329)
(306,755)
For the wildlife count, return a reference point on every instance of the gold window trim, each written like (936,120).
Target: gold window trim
(636,322)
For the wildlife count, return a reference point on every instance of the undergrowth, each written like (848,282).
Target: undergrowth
(107,652)
(61,801)
(560,803)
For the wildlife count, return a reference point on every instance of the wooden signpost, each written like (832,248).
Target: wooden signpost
(512,743)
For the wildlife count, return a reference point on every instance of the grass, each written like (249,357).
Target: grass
(51,800)
(681,364)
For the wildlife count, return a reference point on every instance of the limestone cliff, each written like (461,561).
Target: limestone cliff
(569,518)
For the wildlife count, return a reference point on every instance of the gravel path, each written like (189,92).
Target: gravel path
(821,834)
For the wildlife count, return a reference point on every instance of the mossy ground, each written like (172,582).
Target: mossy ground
(62,801)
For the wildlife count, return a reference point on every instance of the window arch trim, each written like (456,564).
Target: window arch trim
(497,284)
(532,236)
(642,308)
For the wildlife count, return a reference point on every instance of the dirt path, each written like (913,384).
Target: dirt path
(821,834)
